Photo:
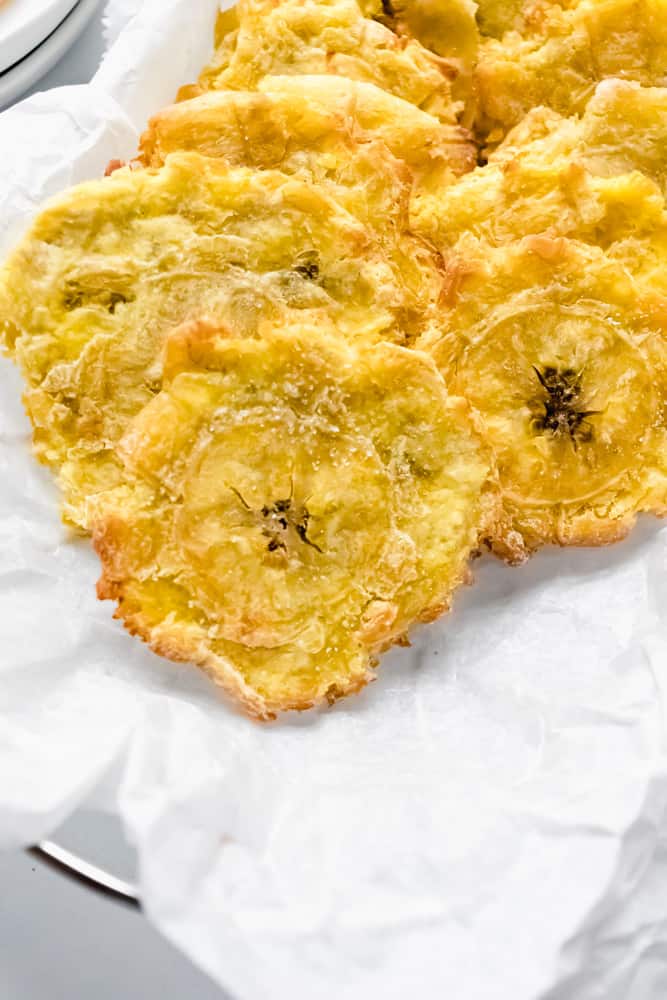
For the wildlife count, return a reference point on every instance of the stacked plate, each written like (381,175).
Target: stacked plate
(34,35)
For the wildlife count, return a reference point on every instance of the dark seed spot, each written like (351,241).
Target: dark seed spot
(283,518)
(302,531)
(310,270)
(115,299)
(557,411)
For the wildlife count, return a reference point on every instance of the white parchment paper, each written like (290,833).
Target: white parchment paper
(486,822)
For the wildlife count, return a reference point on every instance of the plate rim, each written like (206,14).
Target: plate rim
(29,34)
(19,77)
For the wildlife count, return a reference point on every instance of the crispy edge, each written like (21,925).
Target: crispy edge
(221,670)
(164,642)
(515,545)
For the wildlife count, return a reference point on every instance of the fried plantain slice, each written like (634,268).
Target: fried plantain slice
(111,266)
(601,178)
(564,357)
(331,130)
(297,37)
(561,59)
(292,505)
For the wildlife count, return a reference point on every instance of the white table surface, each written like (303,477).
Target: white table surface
(59,941)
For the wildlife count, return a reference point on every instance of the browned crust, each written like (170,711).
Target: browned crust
(113,166)
(191,345)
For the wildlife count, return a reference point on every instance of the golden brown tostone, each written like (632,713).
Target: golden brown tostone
(291,505)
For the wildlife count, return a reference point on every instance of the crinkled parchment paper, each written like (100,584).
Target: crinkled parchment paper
(486,822)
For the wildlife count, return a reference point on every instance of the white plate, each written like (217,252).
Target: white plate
(16,80)
(24,24)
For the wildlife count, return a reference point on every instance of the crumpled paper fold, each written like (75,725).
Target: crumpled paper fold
(488,821)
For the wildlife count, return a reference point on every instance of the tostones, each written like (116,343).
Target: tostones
(334,131)
(111,266)
(564,357)
(601,178)
(560,58)
(292,504)
(296,37)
